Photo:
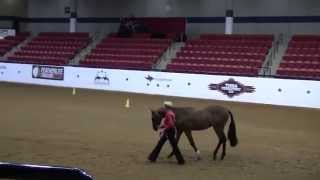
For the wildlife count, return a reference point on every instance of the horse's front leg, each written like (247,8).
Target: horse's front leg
(179,133)
(191,141)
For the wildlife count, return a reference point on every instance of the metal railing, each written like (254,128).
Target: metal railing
(37,172)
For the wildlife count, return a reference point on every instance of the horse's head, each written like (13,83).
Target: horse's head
(156,118)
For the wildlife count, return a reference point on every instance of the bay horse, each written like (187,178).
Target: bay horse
(188,119)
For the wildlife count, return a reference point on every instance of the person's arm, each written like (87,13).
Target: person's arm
(161,127)
(162,123)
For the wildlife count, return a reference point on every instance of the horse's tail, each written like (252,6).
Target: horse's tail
(232,132)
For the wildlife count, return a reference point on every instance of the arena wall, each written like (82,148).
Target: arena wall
(284,92)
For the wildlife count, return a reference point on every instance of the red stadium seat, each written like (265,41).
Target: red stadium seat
(55,48)
(139,52)
(302,58)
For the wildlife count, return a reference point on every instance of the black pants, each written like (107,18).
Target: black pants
(168,134)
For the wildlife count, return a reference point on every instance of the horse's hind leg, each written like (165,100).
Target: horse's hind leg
(222,141)
(191,141)
(179,133)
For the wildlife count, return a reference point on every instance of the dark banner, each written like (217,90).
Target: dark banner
(48,72)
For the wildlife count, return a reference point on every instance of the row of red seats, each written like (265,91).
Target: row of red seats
(217,55)
(65,34)
(58,38)
(72,49)
(300,58)
(137,40)
(297,51)
(45,54)
(122,55)
(238,44)
(252,63)
(12,40)
(121,58)
(149,35)
(301,64)
(213,69)
(305,44)
(6,41)
(127,50)
(213,52)
(117,64)
(6,46)
(141,35)
(48,52)
(226,48)
(299,73)
(19,36)
(132,46)
(303,55)
(216,59)
(73,41)
(306,37)
(292,42)
(145,35)
(38,60)
(58,43)
(237,36)
(222,49)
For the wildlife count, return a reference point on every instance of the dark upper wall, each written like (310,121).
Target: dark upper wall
(13,7)
(209,8)
(276,7)
(197,8)
(47,8)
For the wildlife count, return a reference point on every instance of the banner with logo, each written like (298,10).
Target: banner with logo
(48,72)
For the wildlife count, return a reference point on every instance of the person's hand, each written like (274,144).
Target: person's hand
(161,132)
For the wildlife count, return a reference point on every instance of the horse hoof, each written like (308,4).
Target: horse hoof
(222,157)
(198,155)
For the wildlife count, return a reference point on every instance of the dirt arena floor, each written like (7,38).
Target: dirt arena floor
(93,131)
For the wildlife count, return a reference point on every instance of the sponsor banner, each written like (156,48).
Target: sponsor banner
(47,72)
(285,92)
(231,88)
(101,78)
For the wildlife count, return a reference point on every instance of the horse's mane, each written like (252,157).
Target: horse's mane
(178,110)
(182,108)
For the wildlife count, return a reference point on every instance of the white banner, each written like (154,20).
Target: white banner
(7,32)
(298,93)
